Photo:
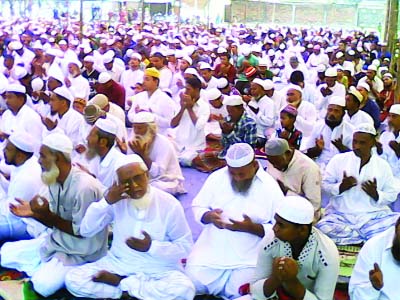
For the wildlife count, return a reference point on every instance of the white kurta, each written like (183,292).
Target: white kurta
(376,250)
(128,80)
(265,118)
(322,102)
(318,265)
(306,118)
(217,193)
(388,153)
(359,118)
(79,87)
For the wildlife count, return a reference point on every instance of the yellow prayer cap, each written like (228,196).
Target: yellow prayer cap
(153,72)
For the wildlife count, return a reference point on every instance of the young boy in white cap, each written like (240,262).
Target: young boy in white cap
(297,260)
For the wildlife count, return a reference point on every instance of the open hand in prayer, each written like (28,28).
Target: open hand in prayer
(319,142)
(121,145)
(226,127)
(395,147)
(243,226)
(376,277)
(38,207)
(347,183)
(214,217)
(326,92)
(141,245)
(116,193)
(137,147)
(370,187)
(50,125)
(80,148)
(338,143)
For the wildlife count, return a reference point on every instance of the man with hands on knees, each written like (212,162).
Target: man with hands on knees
(297,261)
(151,236)
(361,185)
(47,258)
(235,206)
(377,270)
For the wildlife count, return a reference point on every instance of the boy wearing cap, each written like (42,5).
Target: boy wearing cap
(297,260)
(228,207)
(287,130)
(361,185)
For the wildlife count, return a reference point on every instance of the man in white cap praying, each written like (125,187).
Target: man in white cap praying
(19,116)
(235,206)
(374,82)
(63,117)
(151,237)
(111,67)
(332,135)
(102,153)
(361,185)
(296,261)
(77,84)
(295,173)
(22,55)
(329,89)
(48,258)
(157,152)
(25,183)
(354,115)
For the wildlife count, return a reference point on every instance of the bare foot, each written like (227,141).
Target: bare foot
(107,278)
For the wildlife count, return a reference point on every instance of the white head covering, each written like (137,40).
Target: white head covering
(16,88)
(268,84)
(129,159)
(89,58)
(239,155)
(222,83)
(365,128)
(260,82)
(37,84)
(188,59)
(395,109)
(104,77)
(22,141)
(331,72)
(106,125)
(213,94)
(295,87)
(364,85)
(233,100)
(337,100)
(58,142)
(276,147)
(144,117)
(296,209)
(64,92)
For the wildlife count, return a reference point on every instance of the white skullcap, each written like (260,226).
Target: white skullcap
(89,58)
(365,128)
(16,88)
(364,85)
(376,62)
(222,83)
(106,125)
(59,142)
(239,155)
(16,45)
(108,57)
(233,100)
(205,66)
(331,72)
(321,68)
(221,50)
(19,72)
(246,51)
(337,100)
(144,117)
(339,55)
(75,62)
(295,87)
(213,94)
(52,52)
(296,209)
(62,42)
(271,52)
(135,55)
(188,59)
(263,62)
(395,109)
(62,91)
(268,84)
(129,159)
(104,77)
(23,141)
(37,84)
(372,68)
(191,71)
(260,82)
(276,147)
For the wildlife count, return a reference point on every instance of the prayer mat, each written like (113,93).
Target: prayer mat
(348,257)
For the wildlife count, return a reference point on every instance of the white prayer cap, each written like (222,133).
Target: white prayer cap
(130,159)
(62,91)
(188,59)
(16,45)
(213,94)
(52,52)
(205,66)
(295,87)
(233,100)
(239,155)
(376,62)
(321,68)
(221,50)
(276,147)
(89,58)
(372,68)
(355,93)
(23,141)
(364,85)
(19,72)
(144,117)
(337,100)
(76,62)
(339,54)
(37,45)
(271,52)
(296,209)
(222,83)
(15,88)
(106,125)
(351,52)
(59,142)
(268,84)
(191,71)
(395,109)
(246,51)
(331,72)
(259,82)
(387,74)
(107,59)
(263,62)
(365,128)
(62,42)
(104,77)
(37,84)
(135,55)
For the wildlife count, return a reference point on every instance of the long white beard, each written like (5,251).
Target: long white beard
(146,139)
(142,203)
(50,177)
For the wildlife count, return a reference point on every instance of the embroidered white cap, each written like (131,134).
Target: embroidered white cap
(296,209)
(337,100)
(23,141)
(365,128)
(144,117)
(106,125)
(239,155)
(58,142)
(233,100)
(395,109)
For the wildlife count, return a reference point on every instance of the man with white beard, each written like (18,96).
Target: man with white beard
(157,152)
(151,236)
(47,259)
(102,154)
(77,84)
